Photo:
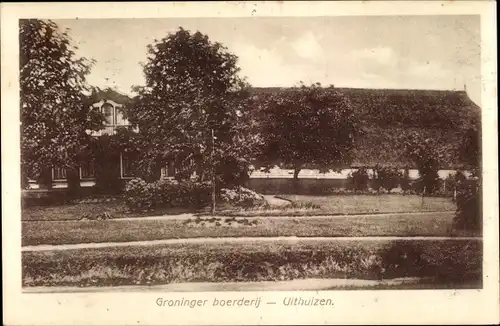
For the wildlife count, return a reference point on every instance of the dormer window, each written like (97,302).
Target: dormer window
(113,117)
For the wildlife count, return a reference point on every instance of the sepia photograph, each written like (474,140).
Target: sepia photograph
(220,154)
(250,154)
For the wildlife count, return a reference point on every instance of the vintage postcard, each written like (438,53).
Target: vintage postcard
(249,163)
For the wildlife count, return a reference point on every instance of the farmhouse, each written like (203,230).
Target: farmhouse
(386,116)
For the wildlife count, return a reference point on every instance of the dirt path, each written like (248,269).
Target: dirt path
(228,240)
(278,202)
(293,285)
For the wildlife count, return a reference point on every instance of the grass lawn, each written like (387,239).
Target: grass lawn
(447,262)
(335,204)
(117,208)
(386,203)
(72,211)
(68,232)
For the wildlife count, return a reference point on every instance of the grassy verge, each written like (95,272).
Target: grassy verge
(68,232)
(387,203)
(447,262)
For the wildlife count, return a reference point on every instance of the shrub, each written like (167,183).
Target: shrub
(424,154)
(454,181)
(386,178)
(403,258)
(358,180)
(429,181)
(468,214)
(141,195)
(241,196)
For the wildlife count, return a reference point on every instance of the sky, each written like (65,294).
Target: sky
(411,52)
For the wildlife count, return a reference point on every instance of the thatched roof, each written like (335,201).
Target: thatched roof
(111,94)
(387,116)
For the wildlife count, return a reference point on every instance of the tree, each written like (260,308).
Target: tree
(387,178)
(308,125)
(56,115)
(422,151)
(192,87)
(358,180)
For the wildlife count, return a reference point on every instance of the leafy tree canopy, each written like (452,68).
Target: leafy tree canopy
(192,87)
(308,125)
(56,113)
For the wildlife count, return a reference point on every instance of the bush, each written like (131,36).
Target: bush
(241,196)
(454,181)
(427,183)
(358,180)
(403,258)
(142,196)
(386,178)
(468,214)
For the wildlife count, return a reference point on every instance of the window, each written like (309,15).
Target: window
(171,169)
(109,114)
(127,165)
(120,120)
(87,170)
(168,171)
(58,173)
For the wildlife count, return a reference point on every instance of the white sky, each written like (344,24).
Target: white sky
(424,52)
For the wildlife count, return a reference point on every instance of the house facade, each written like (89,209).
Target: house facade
(110,104)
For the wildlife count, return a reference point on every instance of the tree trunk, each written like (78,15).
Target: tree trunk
(73,178)
(296,172)
(296,185)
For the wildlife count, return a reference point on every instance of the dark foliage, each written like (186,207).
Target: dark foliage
(56,115)
(142,196)
(358,180)
(193,109)
(468,215)
(386,178)
(307,125)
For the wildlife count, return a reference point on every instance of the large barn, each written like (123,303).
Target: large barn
(386,116)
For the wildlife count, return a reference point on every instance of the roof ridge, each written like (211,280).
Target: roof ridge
(370,88)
